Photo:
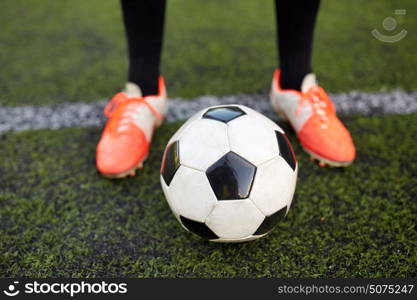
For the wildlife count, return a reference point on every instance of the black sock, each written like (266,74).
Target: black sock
(295,22)
(144,24)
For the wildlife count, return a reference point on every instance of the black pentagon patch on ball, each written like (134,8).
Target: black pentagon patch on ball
(198,228)
(224,113)
(271,221)
(231,177)
(170,162)
(285,150)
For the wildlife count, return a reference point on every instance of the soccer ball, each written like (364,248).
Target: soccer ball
(229,174)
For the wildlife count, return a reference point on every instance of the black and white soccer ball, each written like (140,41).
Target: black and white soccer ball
(229,174)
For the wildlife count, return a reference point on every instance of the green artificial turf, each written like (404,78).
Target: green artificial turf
(59,217)
(74,50)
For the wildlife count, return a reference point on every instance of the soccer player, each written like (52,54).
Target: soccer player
(134,113)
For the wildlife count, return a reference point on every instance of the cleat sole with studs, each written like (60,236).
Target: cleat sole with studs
(323,162)
(131,172)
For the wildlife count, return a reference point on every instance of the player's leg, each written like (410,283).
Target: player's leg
(135,112)
(295,27)
(295,93)
(144,25)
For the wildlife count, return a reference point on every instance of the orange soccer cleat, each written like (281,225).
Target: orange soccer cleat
(126,138)
(313,117)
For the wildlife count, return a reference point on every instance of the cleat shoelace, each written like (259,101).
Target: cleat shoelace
(122,111)
(320,102)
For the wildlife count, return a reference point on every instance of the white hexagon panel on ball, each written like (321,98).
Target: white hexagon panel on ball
(234,219)
(274,186)
(252,140)
(191,195)
(202,143)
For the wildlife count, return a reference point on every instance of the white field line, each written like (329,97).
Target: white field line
(82,114)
